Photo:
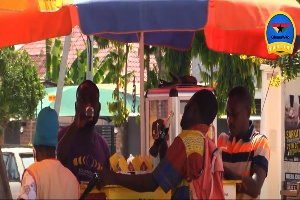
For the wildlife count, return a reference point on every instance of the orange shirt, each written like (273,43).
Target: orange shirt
(241,155)
(53,180)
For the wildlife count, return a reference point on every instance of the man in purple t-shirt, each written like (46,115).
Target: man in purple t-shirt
(80,148)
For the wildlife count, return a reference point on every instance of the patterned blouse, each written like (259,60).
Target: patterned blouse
(28,187)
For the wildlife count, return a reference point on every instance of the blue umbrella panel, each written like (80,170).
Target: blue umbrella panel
(169,23)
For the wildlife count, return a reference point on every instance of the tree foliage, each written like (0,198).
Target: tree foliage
(20,86)
(107,71)
(111,69)
(232,70)
(77,72)
(53,59)
(152,74)
(289,66)
(176,61)
(209,59)
(116,62)
(236,70)
(118,109)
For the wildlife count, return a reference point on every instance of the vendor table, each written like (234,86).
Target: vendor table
(119,192)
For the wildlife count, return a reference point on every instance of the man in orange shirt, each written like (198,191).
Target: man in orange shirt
(245,153)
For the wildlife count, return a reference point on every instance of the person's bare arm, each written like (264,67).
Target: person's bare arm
(138,183)
(250,185)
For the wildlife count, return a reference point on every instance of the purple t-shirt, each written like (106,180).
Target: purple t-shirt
(84,157)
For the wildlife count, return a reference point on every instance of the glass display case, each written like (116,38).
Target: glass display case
(160,102)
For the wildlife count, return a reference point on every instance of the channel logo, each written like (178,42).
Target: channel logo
(280,34)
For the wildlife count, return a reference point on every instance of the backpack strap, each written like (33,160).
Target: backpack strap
(215,154)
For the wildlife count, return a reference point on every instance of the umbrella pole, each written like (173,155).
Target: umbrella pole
(142,103)
(89,70)
(62,73)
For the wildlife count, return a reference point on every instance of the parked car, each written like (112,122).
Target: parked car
(16,159)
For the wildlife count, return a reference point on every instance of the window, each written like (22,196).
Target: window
(11,167)
(13,174)
(158,109)
(27,159)
(5,158)
(182,105)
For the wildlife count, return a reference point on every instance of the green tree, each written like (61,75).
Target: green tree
(106,71)
(53,59)
(111,70)
(152,74)
(210,59)
(20,91)
(176,61)
(115,62)
(236,70)
(289,66)
(76,73)
(20,87)
(231,70)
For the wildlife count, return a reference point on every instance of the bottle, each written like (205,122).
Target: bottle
(89,111)
(166,125)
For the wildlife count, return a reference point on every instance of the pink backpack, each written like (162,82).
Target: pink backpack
(209,184)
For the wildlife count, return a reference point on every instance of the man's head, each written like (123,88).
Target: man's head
(238,110)
(202,108)
(87,96)
(45,136)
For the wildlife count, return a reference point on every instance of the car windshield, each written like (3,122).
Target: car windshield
(27,159)
(11,167)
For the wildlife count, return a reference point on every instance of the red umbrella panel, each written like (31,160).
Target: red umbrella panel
(243,31)
(30,25)
(252,14)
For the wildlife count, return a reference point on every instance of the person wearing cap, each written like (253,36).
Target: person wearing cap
(80,148)
(47,178)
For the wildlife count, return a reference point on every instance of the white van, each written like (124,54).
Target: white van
(16,159)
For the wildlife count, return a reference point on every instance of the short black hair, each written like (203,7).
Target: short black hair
(207,105)
(44,148)
(45,151)
(242,93)
(87,82)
